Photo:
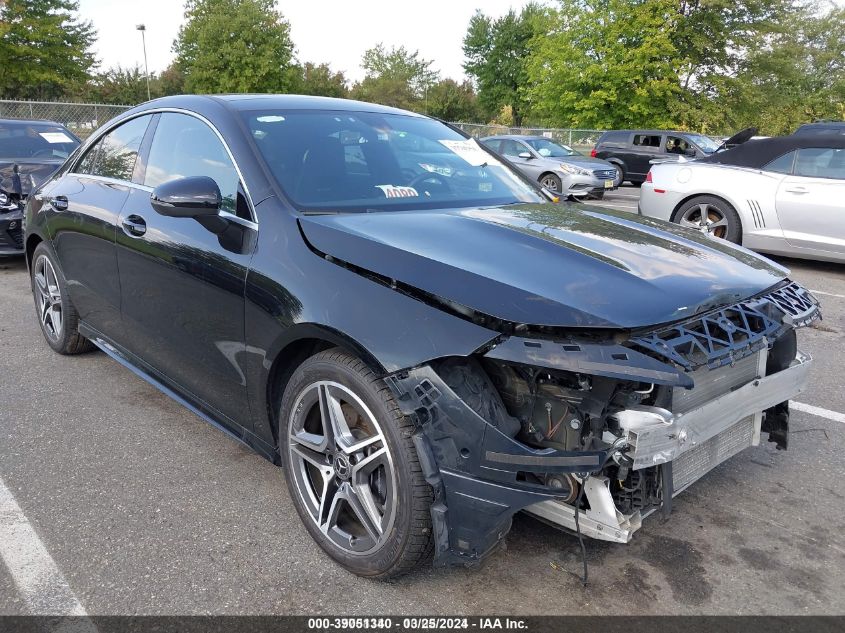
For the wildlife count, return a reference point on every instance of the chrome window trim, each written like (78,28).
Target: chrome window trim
(251,223)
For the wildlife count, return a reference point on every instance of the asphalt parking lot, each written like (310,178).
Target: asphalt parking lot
(145,509)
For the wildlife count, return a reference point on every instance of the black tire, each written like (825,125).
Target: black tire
(714,205)
(551,182)
(597,195)
(54,307)
(620,175)
(406,541)
(637,184)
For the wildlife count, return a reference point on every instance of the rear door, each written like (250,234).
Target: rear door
(83,207)
(644,147)
(182,285)
(810,200)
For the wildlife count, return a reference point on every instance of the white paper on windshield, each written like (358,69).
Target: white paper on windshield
(471,152)
(55,137)
(392,191)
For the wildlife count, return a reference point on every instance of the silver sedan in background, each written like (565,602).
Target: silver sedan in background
(556,167)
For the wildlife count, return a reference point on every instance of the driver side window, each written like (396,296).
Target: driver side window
(184,146)
(512,148)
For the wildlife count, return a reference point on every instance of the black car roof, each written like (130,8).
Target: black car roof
(303,102)
(761,152)
(32,122)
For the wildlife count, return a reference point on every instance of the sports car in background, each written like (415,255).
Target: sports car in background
(30,151)
(778,195)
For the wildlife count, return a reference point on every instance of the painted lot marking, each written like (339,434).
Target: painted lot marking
(827,294)
(818,411)
(38,579)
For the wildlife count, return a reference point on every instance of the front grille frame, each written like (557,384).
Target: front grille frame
(723,336)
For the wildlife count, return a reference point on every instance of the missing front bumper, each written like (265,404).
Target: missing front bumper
(694,442)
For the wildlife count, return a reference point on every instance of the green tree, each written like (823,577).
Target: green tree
(235,46)
(395,77)
(322,81)
(796,75)
(497,53)
(617,70)
(118,85)
(451,101)
(44,48)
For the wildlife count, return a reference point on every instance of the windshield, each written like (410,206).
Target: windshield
(704,142)
(550,149)
(35,140)
(363,161)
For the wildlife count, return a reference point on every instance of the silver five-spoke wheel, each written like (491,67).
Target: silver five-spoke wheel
(342,467)
(706,218)
(48,297)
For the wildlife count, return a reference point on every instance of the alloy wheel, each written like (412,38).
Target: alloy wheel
(342,467)
(707,219)
(617,180)
(49,298)
(550,183)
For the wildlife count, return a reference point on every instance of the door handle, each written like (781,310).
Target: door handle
(59,203)
(797,190)
(135,225)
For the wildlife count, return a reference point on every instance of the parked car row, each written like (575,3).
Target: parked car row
(29,152)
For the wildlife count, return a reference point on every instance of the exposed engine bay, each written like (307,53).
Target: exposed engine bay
(594,435)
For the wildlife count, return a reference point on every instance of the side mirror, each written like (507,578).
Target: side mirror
(193,197)
(526,155)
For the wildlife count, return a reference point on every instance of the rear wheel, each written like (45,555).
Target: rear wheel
(57,315)
(352,469)
(710,215)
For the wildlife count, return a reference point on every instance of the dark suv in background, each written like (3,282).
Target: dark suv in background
(821,127)
(631,151)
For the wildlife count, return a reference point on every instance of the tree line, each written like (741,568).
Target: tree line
(706,65)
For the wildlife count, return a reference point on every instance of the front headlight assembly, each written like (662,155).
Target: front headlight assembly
(574,170)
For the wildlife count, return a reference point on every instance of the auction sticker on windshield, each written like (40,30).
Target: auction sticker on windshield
(55,137)
(392,191)
(471,152)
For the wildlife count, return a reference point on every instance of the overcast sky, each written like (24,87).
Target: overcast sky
(332,31)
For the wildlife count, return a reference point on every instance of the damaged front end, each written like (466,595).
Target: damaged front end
(608,426)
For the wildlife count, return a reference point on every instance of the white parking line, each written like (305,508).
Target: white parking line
(826,294)
(34,572)
(822,413)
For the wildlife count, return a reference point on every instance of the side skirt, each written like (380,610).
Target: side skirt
(154,378)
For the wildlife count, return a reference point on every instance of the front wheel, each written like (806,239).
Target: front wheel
(57,315)
(712,216)
(352,469)
(551,182)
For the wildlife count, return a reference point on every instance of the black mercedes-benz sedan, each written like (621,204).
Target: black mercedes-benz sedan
(420,337)
(29,152)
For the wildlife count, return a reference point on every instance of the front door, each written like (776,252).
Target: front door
(182,285)
(810,203)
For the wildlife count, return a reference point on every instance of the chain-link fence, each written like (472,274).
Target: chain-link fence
(577,139)
(79,118)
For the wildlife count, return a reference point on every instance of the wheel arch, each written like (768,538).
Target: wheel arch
(722,197)
(299,343)
(32,243)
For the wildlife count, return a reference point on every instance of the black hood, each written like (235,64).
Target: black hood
(553,265)
(29,169)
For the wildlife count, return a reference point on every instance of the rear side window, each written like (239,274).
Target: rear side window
(820,162)
(614,139)
(647,140)
(782,164)
(115,155)
(184,146)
